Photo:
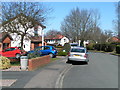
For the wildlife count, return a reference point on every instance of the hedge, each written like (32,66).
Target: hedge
(107,47)
(90,46)
(66,47)
(61,53)
(118,49)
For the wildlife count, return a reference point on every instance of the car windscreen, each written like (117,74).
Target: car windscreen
(74,44)
(78,50)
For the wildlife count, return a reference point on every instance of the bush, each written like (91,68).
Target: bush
(97,47)
(118,49)
(66,47)
(35,54)
(4,63)
(61,53)
(90,46)
(107,47)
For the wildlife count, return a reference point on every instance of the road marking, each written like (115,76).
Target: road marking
(59,82)
(7,82)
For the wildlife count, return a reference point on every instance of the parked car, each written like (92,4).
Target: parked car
(78,54)
(45,50)
(13,52)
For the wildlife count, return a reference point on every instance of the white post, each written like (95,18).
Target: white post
(79,42)
(42,37)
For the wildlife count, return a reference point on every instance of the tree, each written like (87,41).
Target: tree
(116,22)
(28,14)
(53,33)
(79,24)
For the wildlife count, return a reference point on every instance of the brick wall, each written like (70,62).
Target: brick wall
(37,62)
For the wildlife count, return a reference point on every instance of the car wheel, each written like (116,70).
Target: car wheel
(17,56)
(68,61)
(51,55)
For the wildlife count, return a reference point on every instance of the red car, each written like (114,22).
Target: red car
(12,52)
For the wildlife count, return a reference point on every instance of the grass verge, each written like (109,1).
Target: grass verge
(53,59)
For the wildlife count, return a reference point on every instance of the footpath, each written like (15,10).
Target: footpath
(44,77)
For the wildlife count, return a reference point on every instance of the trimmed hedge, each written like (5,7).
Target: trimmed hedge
(90,46)
(118,49)
(61,53)
(66,47)
(107,47)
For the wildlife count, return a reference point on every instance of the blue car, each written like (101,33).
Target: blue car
(45,50)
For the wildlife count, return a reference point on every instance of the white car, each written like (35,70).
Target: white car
(73,45)
(78,54)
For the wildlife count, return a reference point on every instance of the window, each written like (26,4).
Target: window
(10,49)
(78,50)
(45,48)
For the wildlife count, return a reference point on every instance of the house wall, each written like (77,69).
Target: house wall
(0,46)
(64,40)
(27,43)
(33,45)
(6,43)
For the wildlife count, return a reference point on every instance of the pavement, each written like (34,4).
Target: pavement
(14,77)
(9,82)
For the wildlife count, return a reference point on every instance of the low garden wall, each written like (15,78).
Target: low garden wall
(37,62)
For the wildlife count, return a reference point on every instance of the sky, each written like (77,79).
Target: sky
(62,9)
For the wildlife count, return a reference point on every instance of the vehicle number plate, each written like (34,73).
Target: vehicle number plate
(76,55)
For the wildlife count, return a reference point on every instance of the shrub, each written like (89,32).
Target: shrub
(109,47)
(118,49)
(90,46)
(34,54)
(61,53)
(4,63)
(66,47)
(97,47)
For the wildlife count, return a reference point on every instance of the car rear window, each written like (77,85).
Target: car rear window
(78,50)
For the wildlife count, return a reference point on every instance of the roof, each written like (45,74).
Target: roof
(54,37)
(115,39)
(36,39)
(25,17)
(3,35)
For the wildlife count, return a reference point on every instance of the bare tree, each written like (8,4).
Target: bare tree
(53,33)
(80,23)
(25,15)
(116,21)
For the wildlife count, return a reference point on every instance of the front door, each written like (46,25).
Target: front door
(36,44)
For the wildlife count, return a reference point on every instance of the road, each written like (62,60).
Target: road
(101,72)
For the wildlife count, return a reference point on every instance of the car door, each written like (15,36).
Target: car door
(45,50)
(9,52)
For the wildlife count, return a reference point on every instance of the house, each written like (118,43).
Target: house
(35,34)
(113,39)
(35,42)
(58,39)
(5,41)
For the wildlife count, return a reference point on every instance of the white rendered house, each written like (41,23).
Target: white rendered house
(58,39)
(30,41)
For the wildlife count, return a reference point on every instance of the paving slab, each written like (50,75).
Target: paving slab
(14,68)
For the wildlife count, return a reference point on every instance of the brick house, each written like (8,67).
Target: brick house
(114,39)
(5,41)
(35,42)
